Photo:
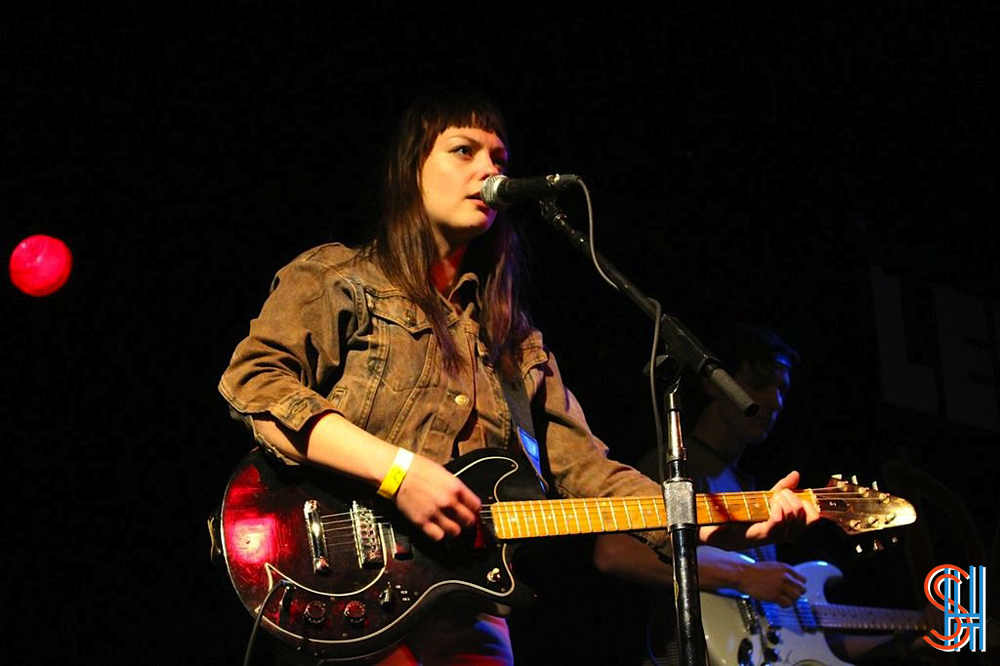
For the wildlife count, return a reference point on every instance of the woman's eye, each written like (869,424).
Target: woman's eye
(462,150)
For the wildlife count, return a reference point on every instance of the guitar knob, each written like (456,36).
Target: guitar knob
(354,612)
(315,612)
(744,653)
(773,637)
(770,655)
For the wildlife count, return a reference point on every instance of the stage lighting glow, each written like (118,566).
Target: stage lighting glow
(40,265)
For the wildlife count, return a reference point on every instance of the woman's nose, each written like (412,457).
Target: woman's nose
(489,167)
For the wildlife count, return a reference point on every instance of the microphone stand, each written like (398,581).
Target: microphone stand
(678,490)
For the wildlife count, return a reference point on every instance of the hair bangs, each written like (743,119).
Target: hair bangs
(461,111)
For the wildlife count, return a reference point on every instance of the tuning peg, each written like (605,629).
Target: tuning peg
(854,479)
(839,477)
(859,549)
(875,486)
(877,545)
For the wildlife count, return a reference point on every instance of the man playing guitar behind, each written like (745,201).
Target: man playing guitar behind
(761,362)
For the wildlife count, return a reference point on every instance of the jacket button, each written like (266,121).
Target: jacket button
(461,399)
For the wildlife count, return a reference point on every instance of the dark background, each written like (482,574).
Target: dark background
(743,162)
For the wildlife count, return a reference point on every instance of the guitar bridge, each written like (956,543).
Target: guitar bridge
(749,616)
(367,541)
(317,537)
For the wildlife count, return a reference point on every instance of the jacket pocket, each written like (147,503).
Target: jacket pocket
(533,363)
(403,342)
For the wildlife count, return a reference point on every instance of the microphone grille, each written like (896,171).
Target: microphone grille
(491,191)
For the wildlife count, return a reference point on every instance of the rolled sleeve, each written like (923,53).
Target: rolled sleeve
(293,355)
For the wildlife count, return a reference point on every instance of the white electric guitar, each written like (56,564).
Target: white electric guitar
(742,631)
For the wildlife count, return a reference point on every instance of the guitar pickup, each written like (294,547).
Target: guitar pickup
(367,540)
(317,537)
(402,550)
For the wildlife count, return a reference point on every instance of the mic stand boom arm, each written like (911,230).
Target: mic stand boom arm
(678,490)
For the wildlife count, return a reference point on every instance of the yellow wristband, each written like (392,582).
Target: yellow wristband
(396,474)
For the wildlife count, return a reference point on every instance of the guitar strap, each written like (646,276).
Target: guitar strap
(521,424)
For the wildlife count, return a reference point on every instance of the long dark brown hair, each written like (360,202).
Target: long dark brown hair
(404,246)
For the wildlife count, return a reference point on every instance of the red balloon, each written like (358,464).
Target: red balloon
(40,265)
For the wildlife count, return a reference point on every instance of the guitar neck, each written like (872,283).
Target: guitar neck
(870,619)
(538,518)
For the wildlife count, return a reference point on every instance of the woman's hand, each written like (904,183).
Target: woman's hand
(430,496)
(789,515)
(435,500)
(788,518)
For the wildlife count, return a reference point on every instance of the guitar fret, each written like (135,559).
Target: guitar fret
(586,513)
(754,503)
(656,509)
(545,525)
(562,506)
(745,505)
(541,512)
(614,518)
(628,516)
(600,516)
(534,518)
(638,504)
(725,505)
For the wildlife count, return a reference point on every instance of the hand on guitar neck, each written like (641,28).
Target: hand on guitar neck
(788,517)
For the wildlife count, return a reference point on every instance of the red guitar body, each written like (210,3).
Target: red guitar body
(340,573)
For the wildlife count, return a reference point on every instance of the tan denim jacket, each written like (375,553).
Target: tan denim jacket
(335,335)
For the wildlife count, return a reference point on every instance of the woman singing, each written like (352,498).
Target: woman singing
(385,361)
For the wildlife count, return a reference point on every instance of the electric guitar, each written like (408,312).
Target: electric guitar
(335,572)
(739,630)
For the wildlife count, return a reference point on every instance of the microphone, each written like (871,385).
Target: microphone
(500,191)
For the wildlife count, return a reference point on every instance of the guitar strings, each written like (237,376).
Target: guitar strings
(328,519)
(546,509)
(332,519)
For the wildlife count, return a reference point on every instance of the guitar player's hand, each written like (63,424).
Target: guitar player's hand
(435,500)
(771,581)
(789,515)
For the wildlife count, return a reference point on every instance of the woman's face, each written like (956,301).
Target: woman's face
(451,179)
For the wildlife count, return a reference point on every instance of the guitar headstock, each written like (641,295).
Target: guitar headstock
(857,509)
